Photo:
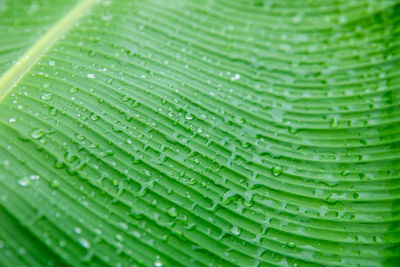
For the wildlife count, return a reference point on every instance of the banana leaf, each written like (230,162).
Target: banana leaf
(199,133)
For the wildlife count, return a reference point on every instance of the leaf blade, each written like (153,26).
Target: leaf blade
(213,163)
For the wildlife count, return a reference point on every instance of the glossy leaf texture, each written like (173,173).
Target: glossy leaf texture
(200,133)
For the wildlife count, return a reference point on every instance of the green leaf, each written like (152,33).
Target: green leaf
(199,133)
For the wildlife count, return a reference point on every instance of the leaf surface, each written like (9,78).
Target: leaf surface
(199,133)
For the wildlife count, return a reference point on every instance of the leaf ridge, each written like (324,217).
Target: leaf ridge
(25,62)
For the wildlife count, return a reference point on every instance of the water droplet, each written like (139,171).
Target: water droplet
(73,90)
(52,63)
(235,77)
(59,164)
(293,130)
(34,177)
(158,262)
(38,133)
(55,184)
(334,123)
(189,117)
(78,230)
(94,117)
(47,96)
(84,243)
(125,98)
(62,243)
(172,212)
(24,182)
(355,195)
(106,153)
(91,76)
(229,196)
(235,230)
(276,170)
(345,172)
(291,244)
(135,104)
(342,19)
(11,120)
(119,237)
(296,19)
(53,111)
(240,120)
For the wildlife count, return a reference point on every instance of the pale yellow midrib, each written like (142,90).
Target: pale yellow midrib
(24,64)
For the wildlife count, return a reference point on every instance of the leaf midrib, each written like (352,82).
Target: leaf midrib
(26,61)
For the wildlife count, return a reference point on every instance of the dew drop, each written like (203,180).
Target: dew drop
(78,230)
(235,230)
(172,212)
(228,196)
(73,90)
(55,184)
(125,98)
(62,243)
(38,133)
(91,76)
(53,111)
(276,170)
(334,123)
(119,237)
(235,77)
(24,182)
(189,117)
(47,97)
(158,262)
(291,244)
(240,120)
(296,19)
(84,243)
(342,19)
(34,177)
(106,153)
(136,104)
(345,172)
(94,117)
(59,164)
